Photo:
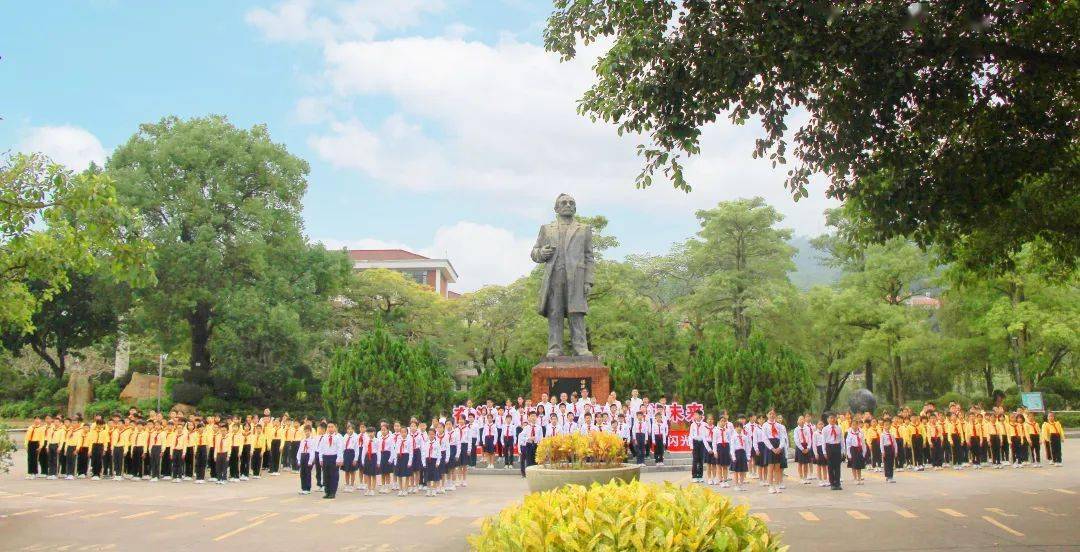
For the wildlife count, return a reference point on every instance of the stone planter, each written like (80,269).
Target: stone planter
(544,479)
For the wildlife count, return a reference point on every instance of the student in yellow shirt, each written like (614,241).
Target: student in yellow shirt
(1053,434)
(58,449)
(236,445)
(208,435)
(1018,439)
(190,439)
(141,437)
(873,437)
(1032,428)
(99,439)
(35,435)
(75,435)
(119,435)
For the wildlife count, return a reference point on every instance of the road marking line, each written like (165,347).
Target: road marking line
(222,515)
(1066,491)
(1003,527)
(30,493)
(346,519)
(54,495)
(1000,512)
(1047,511)
(24,512)
(391,520)
(857,514)
(239,530)
(475,501)
(65,547)
(303,518)
(121,497)
(864,495)
(436,520)
(1030,492)
(99,514)
(64,513)
(254,499)
(140,514)
(290,500)
(809,516)
(951,512)
(180,515)
(477,522)
(762,516)
(220,498)
(83,497)
(906,514)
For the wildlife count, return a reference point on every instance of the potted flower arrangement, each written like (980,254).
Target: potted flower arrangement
(579,459)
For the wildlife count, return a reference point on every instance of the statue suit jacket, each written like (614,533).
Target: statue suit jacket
(580,266)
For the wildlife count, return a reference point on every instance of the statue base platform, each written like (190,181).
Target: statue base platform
(566,374)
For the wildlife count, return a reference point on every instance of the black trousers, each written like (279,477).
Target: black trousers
(900,447)
(658,451)
(222,466)
(70,460)
(995,449)
(211,460)
(640,447)
(200,462)
(245,460)
(1055,448)
(275,455)
(54,458)
(528,456)
(937,453)
(82,456)
(256,462)
(305,471)
(875,452)
(118,461)
(975,446)
(32,457)
(137,464)
(155,461)
(189,462)
(330,474)
(832,452)
(956,450)
(234,463)
(318,472)
(508,450)
(96,457)
(697,463)
(177,463)
(1036,454)
(918,449)
(43,459)
(888,459)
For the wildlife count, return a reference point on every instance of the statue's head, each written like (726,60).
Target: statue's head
(565,205)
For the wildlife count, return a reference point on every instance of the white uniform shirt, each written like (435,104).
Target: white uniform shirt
(306,446)
(330,444)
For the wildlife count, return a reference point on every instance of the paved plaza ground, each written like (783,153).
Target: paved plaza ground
(1029,509)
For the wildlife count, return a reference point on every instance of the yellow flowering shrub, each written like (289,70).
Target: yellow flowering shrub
(625,516)
(574,450)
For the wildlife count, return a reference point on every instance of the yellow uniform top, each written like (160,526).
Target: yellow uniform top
(207,436)
(290,434)
(1032,427)
(871,433)
(238,439)
(279,433)
(34,434)
(1052,428)
(973,428)
(989,428)
(270,429)
(118,437)
(904,431)
(1017,430)
(140,438)
(260,442)
(75,437)
(844,425)
(59,436)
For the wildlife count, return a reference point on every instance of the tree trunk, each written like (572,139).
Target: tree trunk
(199,324)
(897,382)
(42,350)
(988,378)
(869,370)
(833,385)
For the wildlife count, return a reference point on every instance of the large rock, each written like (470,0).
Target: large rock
(80,393)
(183,409)
(141,387)
(862,400)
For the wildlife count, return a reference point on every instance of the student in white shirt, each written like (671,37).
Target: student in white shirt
(635,402)
(369,452)
(510,434)
(776,452)
(349,455)
(697,442)
(401,459)
(710,451)
(304,454)
(834,449)
(856,447)
(529,436)
(464,452)
(639,432)
(488,435)
(889,450)
(660,432)
(740,444)
(384,446)
(329,453)
(722,449)
(821,460)
(804,449)
(431,456)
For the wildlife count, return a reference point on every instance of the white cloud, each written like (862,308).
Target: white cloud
(482,254)
(305,20)
(71,146)
(500,122)
(457,30)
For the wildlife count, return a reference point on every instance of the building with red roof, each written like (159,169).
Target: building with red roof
(437,274)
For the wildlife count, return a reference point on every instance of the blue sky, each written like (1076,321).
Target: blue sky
(437,125)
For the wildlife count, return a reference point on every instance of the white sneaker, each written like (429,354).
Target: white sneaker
(200,481)
(659,463)
(176,481)
(153,480)
(69,478)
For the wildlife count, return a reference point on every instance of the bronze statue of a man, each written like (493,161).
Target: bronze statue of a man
(565,246)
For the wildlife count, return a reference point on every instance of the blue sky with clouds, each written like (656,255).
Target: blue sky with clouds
(437,125)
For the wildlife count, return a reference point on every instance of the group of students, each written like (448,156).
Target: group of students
(929,439)
(435,457)
(161,448)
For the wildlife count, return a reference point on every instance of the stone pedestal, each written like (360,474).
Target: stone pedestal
(571,373)
(80,393)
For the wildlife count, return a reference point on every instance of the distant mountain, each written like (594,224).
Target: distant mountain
(809,270)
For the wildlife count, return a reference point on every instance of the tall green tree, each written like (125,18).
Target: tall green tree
(504,378)
(56,225)
(384,377)
(218,201)
(636,368)
(961,113)
(741,260)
